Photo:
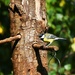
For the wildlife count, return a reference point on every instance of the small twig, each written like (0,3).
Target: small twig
(17,37)
(55,48)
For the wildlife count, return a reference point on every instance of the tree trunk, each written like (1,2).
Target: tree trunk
(28,18)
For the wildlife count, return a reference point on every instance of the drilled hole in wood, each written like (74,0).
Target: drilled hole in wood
(28,70)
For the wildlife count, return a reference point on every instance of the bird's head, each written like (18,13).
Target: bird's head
(42,36)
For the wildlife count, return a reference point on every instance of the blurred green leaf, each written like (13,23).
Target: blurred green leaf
(59,16)
(55,66)
(52,73)
(66,17)
(59,10)
(1,73)
(51,1)
(6,2)
(68,67)
(61,70)
(58,28)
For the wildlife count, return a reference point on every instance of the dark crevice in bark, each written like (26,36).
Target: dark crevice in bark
(14,45)
(40,67)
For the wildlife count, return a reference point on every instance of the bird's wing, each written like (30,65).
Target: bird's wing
(51,36)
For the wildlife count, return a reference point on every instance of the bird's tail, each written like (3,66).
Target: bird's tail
(60,38)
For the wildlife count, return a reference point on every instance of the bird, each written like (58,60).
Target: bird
(49,38)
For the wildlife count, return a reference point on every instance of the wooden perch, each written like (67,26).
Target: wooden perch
(17,37)
(55,48)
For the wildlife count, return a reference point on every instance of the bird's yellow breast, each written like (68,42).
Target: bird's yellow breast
(48,40)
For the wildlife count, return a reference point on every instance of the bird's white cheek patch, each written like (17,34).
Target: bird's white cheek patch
(42,36)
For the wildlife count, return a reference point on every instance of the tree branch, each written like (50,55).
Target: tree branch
(35,45)
(17,37)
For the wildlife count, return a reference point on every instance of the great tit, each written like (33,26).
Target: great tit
(49,38)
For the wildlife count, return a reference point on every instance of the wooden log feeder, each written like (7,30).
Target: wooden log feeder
(28,20)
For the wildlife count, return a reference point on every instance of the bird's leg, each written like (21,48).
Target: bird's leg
(48,44)
(56,58)
(53,54)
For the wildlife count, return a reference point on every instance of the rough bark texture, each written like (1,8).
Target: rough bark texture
(28,18)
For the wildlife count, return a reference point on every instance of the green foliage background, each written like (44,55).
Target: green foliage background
(5,49)
(61,20)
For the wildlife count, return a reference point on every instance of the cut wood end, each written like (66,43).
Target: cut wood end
(56,48)
(19,36)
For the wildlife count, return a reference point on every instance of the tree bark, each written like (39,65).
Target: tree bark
(28,18)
